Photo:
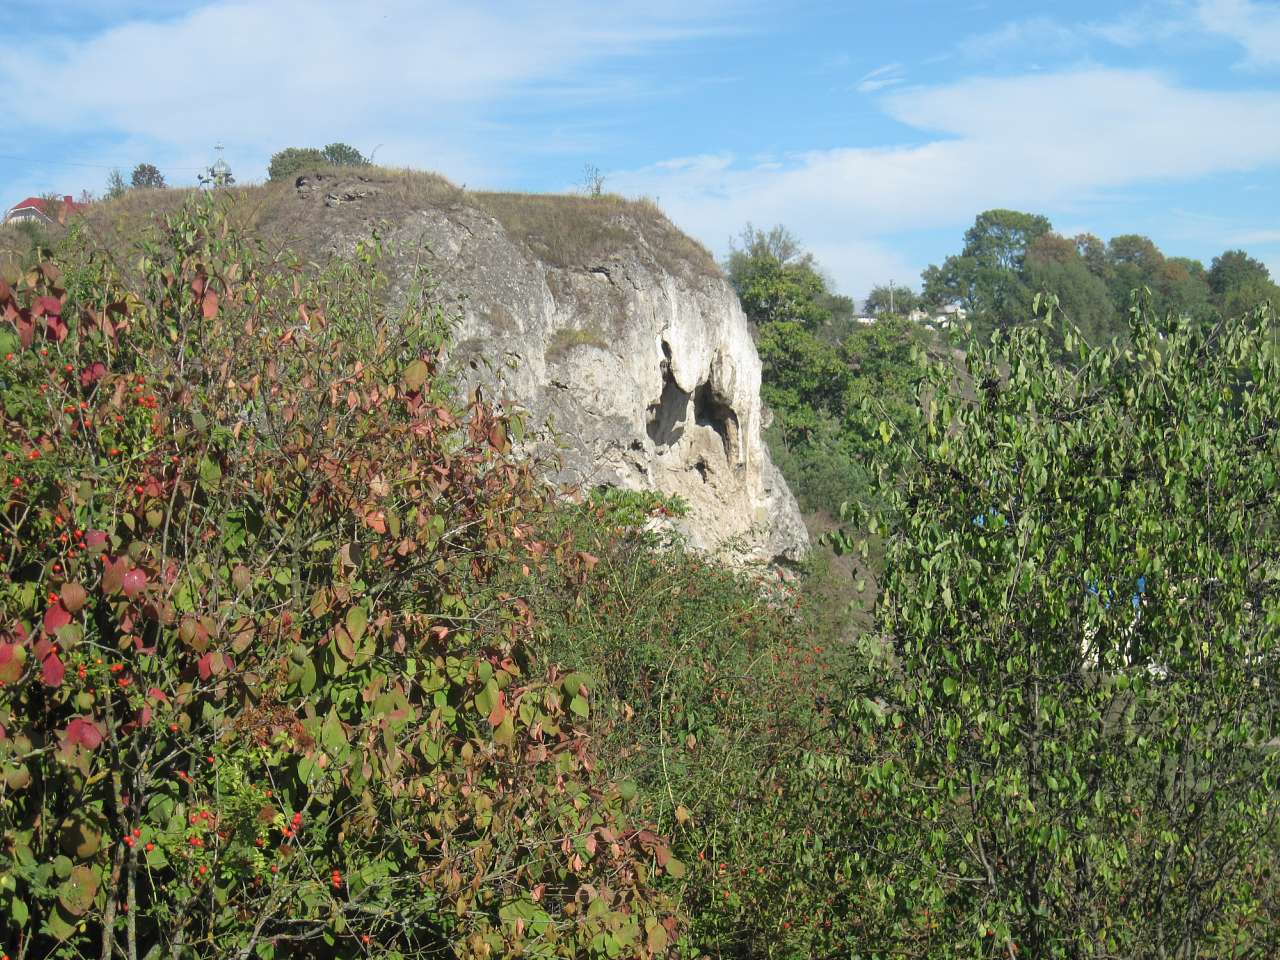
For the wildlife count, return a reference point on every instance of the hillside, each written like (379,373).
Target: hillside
(615,331)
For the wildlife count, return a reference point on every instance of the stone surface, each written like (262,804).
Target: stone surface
(632,349)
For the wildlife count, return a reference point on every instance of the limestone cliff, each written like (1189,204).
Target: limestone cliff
(609,326)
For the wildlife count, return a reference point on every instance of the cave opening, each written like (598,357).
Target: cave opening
(710,410)
(668,414)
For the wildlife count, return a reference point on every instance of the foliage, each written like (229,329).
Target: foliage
(696,672)
(1080,617)
(146,176)
(1009,257)
(884,300)
(268,686)
(1240,282)
(776,281)
(592,181)
(291,161)
(819,369)
(116,186)
(344,155)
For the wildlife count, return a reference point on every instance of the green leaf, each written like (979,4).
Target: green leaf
(210,475)
(357,619)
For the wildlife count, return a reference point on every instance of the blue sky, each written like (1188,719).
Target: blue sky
(874,131)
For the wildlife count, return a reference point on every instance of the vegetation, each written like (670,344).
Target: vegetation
(298,659)
(264,693)
(1009,257)
(147,177)
(291,161)
(116,186)
(821,370)
(1079,616)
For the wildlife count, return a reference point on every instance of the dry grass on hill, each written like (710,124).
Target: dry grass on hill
(560,229)
(568,231)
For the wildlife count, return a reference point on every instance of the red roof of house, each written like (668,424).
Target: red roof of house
(38,203)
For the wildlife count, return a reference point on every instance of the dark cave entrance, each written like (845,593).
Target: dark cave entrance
(709,410)
(668,414)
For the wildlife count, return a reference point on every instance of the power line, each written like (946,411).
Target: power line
(42,161)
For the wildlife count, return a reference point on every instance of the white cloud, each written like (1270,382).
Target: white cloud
(1042,36)
(1250,238)
(881,77)
(1046,37)
(262,75)
(1044,142)
(1255,26)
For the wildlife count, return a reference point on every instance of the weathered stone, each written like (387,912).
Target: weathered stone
(633,350)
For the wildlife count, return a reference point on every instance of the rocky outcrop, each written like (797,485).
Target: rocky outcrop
(612,329)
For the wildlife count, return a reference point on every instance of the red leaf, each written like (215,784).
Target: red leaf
(376,521)
(51,306)
(209,305)
(10,666)
(204,666)
(84,732)
(95,541)
(134,582)
(113,572)
(499,711)
(55,330)
(73,596)
(55,618)
(52,670)
(93,373)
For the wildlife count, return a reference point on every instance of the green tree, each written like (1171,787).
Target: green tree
(776,280)
(885,299)
(1240,283)
(803,375)
(146,176)
(1235,269)
(344,155)
(1080,623)
(999,239)
(987,276)
(116,187)
(1054,265)
(292,161)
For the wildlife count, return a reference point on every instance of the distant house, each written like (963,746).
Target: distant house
(39,210)
(941,317)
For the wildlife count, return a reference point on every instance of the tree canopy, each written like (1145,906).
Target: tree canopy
(147,177)
(1008,257)
(295,160)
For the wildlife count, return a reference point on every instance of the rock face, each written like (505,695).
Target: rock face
(613,330)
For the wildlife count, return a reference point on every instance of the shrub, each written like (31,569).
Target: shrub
(713,696)
(292,161)
(1080,615)
(263,693)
